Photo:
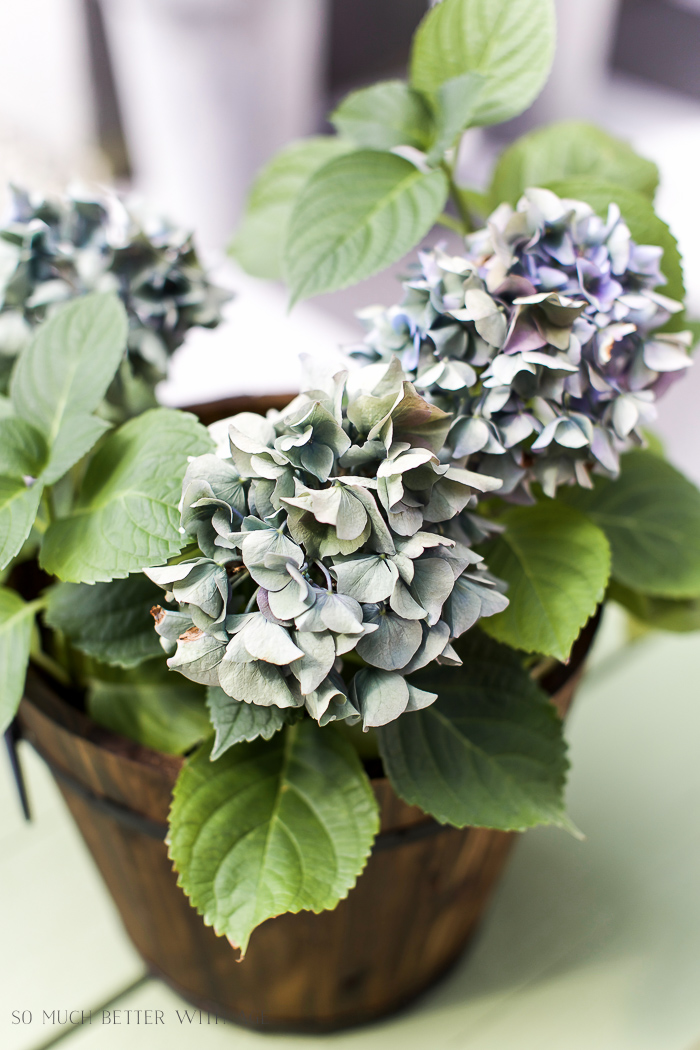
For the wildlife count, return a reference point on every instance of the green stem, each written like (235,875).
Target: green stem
(457,199)
(241,577)
(44,516)
(51,666)
(46,504)
(38,604)
(452,224)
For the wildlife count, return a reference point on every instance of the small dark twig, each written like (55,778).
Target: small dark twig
(12,736)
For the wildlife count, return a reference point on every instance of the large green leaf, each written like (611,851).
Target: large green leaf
(556,564)
(109,621)
(637,211)
(661,614)
(16,618)
(456,103)
(22,460)
(384,115)
(152,706)
(510,42)
(651,516)
(488,753)
(270,827)
(63,374)
(126,514)
(235,721)
(18,509)
(259,242)
(358,214)
(565,150)
(75,439)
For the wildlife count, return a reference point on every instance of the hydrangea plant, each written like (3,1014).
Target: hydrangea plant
(329,538)
(381,572)
(53,250)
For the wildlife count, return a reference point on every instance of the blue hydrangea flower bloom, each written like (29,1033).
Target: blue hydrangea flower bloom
(53,250)
(542,339)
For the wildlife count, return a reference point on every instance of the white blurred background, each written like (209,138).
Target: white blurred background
(181,101)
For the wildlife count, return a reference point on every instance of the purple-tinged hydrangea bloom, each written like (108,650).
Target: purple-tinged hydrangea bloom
(542,340)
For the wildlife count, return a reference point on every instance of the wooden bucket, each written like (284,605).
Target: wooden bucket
(405,923)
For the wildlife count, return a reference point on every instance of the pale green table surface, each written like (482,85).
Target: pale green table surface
(591,945)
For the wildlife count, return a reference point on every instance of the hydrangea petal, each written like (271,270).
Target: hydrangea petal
(381,696)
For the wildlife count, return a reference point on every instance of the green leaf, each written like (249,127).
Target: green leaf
(661,614)
(16,618)
(126,513)
(109,621)
(63,374)
(18,510)
(488,753)
(694,327)
(644,224)
(357,215)
(565,150)
(77,436)
(274,826)
(456,103)
(151,706)
(22,459)
(236,721)
(22,449)
(651,516)
(259,243)
(510,42)
(384,115)
(556,564)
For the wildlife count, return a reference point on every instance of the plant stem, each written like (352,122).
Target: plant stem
(325,572)
(456,197)
(238,579)
(452,224)
(51,666)
(46,504)
(44,516)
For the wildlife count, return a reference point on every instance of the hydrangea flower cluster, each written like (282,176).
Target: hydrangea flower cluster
(54,250)
(331,561)
(540,340)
